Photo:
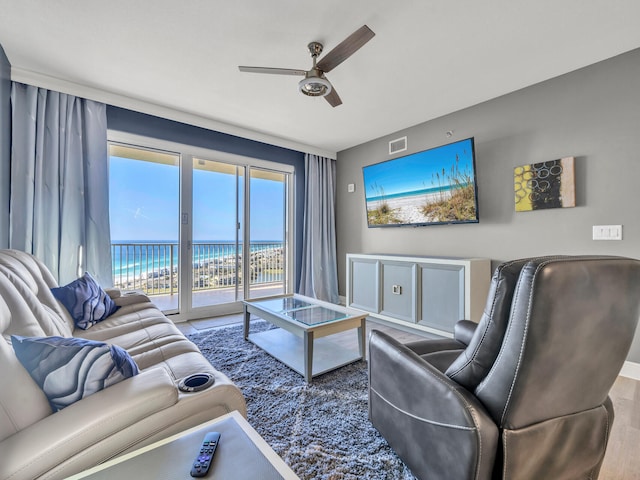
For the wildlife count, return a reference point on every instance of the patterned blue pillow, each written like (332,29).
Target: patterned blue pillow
(69,369)
(86,301)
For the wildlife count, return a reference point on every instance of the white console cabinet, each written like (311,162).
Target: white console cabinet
(426,293)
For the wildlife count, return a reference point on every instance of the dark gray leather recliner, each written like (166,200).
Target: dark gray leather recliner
(524,393)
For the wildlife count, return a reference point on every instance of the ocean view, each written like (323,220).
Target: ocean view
(153,264)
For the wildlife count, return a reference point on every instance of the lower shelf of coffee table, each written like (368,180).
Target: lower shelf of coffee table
(289,349)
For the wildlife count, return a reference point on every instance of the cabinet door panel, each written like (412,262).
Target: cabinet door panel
(399,291)
(364,285)
(442,293)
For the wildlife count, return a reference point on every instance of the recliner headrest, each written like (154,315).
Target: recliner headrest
(473,364)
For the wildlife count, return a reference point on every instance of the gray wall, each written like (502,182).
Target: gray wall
(5,146)
(592,114)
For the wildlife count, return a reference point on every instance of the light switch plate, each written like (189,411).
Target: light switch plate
(351,188)
(607,232)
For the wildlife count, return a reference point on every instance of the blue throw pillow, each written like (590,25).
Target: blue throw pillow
(69,369)
(86,301)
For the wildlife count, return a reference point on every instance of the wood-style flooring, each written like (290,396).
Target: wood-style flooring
(622,460)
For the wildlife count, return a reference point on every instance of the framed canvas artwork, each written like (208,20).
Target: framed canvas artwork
(545,185)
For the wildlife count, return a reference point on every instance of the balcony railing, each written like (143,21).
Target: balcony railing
(153,267)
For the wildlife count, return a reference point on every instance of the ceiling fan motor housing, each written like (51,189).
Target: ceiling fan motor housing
(314,84)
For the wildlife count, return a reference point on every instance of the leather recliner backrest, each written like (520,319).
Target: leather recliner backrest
(22,402)
(571,326)
(30,279)
(473,364)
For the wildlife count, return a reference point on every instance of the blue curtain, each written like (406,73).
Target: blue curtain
(319,275)
(59,201)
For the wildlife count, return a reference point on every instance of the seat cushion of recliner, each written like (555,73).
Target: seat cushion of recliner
(127,319)
(150,338)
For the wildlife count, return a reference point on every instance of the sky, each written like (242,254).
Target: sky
(144,204)
(416,171)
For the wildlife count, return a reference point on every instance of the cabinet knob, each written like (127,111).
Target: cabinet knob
(396,289)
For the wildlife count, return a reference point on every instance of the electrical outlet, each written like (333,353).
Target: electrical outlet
(607,232)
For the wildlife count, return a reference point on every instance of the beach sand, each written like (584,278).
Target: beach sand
(409,209)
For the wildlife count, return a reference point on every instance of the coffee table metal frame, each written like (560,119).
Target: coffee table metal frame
(329,355)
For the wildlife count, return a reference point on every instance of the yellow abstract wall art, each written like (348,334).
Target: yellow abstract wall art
(545,185)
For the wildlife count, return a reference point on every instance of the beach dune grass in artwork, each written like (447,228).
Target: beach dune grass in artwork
(381,213)
(434,186)
(459,202)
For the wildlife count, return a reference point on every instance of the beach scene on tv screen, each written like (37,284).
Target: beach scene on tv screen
(434,186)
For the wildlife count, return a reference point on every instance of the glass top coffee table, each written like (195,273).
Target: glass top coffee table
(304,322)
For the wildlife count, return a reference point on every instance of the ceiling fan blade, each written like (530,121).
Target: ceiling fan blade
(333,98)
(275,71)
(345,49)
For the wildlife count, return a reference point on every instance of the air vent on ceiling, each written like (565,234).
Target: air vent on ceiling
(397,145)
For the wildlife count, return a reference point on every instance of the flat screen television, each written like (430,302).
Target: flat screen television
(433,187)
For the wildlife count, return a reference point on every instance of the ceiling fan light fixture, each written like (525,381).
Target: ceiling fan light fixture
(314,86)
(314,83)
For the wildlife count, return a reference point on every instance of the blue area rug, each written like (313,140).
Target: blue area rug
(321,430)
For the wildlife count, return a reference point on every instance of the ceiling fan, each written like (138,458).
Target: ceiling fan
(314,83)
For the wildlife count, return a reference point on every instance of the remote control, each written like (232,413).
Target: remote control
(205,457)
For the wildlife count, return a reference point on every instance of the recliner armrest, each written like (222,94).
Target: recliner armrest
(463,330)
(74,433)
(417,407)
(439,352)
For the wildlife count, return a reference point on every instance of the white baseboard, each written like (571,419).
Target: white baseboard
(631,370)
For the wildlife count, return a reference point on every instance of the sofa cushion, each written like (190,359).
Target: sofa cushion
(86,301)
(69,369)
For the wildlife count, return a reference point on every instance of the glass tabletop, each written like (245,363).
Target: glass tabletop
(315,315)
(301,311)
(279,305)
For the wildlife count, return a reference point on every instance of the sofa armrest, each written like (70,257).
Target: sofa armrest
(74,433)
(425,416)
(463,330)
(113,292)
(127,297)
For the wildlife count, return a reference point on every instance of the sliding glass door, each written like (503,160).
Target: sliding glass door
(238,252)
(229,217)
(144,206)
(218,196)
(268,232)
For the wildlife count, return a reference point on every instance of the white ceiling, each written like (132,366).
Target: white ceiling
(428,58)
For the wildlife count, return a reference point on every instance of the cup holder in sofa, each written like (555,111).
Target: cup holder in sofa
(196,382)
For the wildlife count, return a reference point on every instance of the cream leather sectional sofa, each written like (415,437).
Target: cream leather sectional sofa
(37,443)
